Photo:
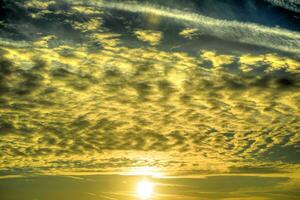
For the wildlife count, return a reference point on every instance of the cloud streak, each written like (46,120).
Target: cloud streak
(292,5)
(248,33)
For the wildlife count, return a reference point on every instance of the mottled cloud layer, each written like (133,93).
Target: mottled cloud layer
(92,90)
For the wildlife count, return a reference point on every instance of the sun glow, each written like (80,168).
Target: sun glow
(144,171)
(145,189)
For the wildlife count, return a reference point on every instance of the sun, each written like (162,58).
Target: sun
(145,189)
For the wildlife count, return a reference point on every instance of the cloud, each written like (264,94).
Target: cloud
(92,24)
(108,102)
(98,121)
(38,4)
(292,5)
(247,33)
(189,32)
(153,37)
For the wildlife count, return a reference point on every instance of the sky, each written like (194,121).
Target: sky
(200,99)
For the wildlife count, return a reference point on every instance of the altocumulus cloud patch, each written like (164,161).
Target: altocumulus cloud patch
(80,93)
